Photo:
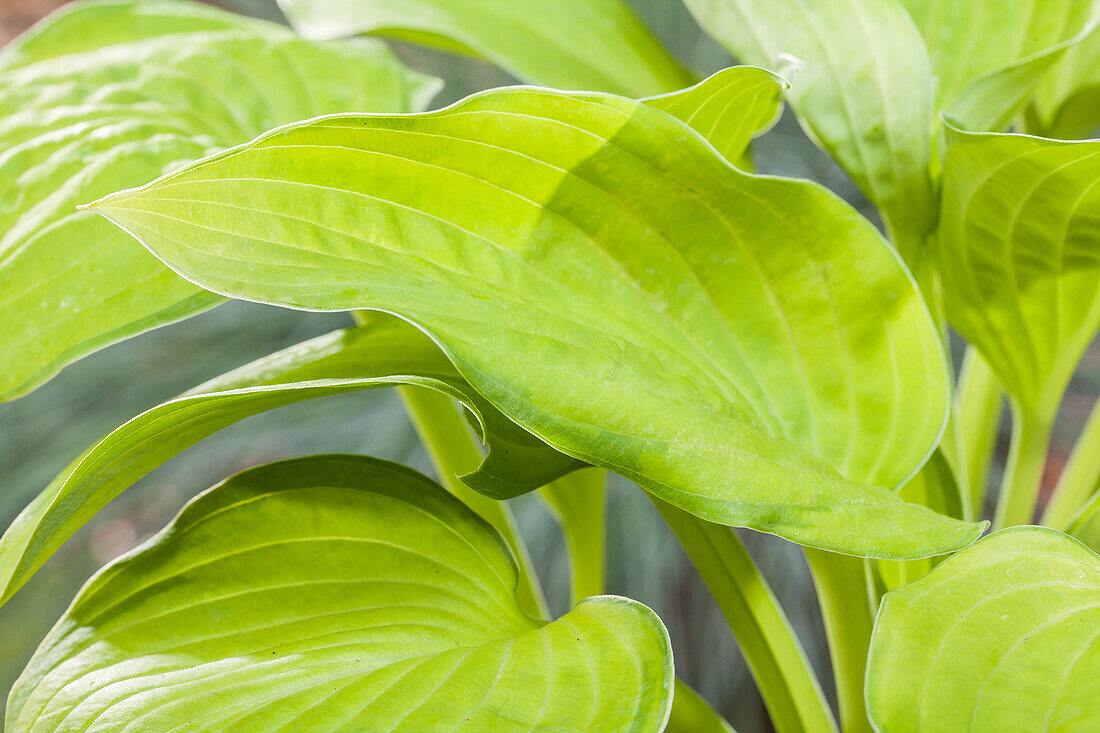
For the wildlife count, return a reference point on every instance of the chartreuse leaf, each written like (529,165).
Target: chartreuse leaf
(987,55)
(728,108)
(1086,525)
(336,593)
(113,94)
(1067,101)
(570,44)
(1003,636)
(388,353)
(1019,260)
(747,348)
(864,90)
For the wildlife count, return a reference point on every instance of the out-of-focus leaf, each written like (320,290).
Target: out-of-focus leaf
(570,44)
(1086,525)
(336,593)
(864,90)
(111,94)
(747,348)
(988,55)
(1019,247)
(1067,101)
(1000,637)
(728,108)
(388,353)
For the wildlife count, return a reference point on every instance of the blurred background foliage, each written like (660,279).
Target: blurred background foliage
(41,433)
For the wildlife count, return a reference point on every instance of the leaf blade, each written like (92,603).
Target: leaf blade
(584,308)
(381,355)
(571,44)
(114,94)
(1001,635)
(423,631)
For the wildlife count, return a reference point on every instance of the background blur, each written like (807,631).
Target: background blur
(41,433)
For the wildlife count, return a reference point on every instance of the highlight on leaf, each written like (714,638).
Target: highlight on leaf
(521,223)
(113,94)
(337,592)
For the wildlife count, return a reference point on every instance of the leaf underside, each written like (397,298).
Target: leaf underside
(214,625)
(609,282)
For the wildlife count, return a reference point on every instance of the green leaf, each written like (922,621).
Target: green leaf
(336,593)
(728,108)
(1067,101)
(108,95)
(388,353)
(864,91)
(988,56)
(1086,525)
(1000,637)
(1018,256)
(613,285)
(571,44)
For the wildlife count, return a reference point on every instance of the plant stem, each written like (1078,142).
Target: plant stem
(1080,477)
(980,405)
(454,452)
(692,714)
(580,500)
(845,600)
(1024,471)
(773,653)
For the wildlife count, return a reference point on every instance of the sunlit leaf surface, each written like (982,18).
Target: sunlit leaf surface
(748,348)
(113,94)
(336,593)
(1004,636)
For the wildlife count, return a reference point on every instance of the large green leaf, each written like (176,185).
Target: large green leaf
(1004,636)
(613,285)
(388,353)
(728,108)
(570,44)
(336,593)
(864,91)
(113,94)
(987,55)
(1018,245)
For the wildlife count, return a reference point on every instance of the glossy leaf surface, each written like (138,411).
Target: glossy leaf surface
(113,94)
(728,108)
(1018,246)
(336,593)
(864,90)
(389,353)
(1002,636)
(613,285)
(597,45)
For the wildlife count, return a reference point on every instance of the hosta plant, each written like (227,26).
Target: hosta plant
(578,276)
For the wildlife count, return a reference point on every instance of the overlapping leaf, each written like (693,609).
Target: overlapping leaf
(728,108)
(1019,243)
(987,55)
(388,353)
(336,593)
(864,90)
(1067,101)
(113,94)
(1086,525)
(613,285)
(570,44)
(1003,636)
